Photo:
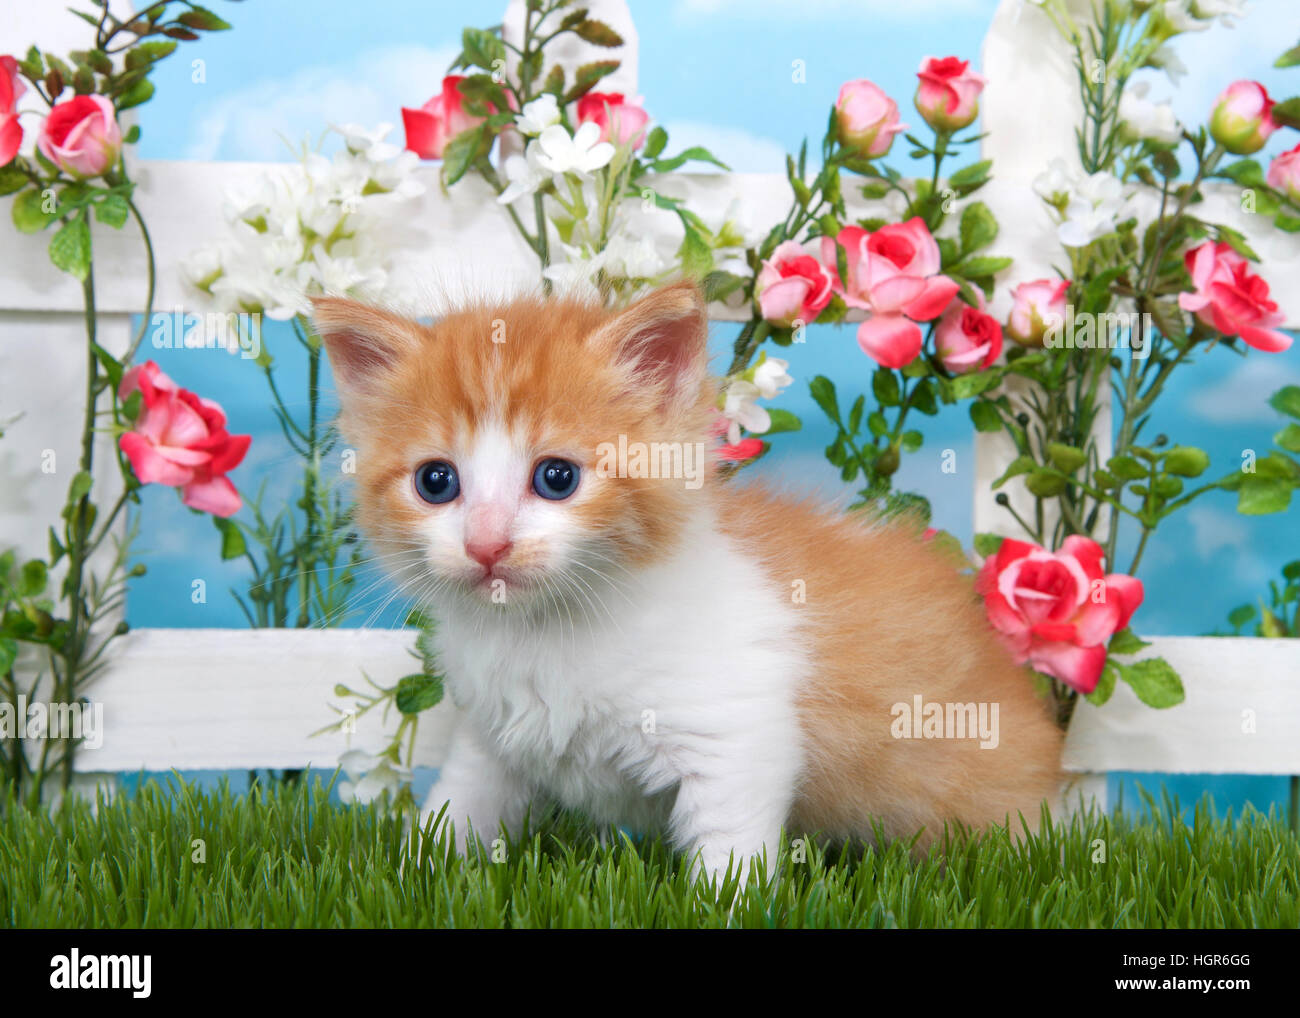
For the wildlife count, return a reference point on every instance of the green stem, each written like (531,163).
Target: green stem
(151,270)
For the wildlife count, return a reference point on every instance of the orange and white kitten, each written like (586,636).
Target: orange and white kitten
(713,661)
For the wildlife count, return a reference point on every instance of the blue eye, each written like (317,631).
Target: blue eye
(555,479)
(436,482)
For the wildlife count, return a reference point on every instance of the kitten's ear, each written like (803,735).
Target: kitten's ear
(364,343)
(664,338)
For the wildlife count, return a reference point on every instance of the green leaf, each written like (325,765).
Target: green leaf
(141,92)
(1154,681)
(1019,465)
(912,440)
(460,153)
(32,578)
(586,76)
(1186,461)
(80,486)
(823,394)
(28,212)
(1259,496)
(968,178)
(884,386)
(70,247)
(973,384)
(418,692)
(1126,642)
(598,34)
(655,142)
(8,654)
(1066,458)
(1290,58)
(1287,113)
(1245,172)
(112,210)
(922,399)
(981,266)
(1242,614)
(696,153)
(984,415)
(480,47)
(978,227)
(554,82)
(1286,401)
(1105,685)
(987,545)
(147,53)
(1126,468)
(232,538)
(782,421)
(12,178)
(1044,483)
(202,20)
(695,254)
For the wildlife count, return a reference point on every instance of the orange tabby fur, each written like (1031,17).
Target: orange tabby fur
(887,617)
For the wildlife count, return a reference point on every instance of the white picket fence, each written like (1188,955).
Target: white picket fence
(202,698)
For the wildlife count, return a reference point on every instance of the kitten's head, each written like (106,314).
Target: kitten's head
(488,460)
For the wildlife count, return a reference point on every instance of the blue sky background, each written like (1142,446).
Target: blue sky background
(714,72)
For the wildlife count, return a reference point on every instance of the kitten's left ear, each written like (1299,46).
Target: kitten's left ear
(664,338)
(365,344)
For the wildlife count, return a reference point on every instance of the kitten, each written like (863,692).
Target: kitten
(714,662)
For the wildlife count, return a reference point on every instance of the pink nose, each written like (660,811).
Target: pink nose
(488,552)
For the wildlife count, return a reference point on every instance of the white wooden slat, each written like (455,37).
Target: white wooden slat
(1241,714)
(195,699)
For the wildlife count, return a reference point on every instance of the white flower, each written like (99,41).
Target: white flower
(538,115)
(1178,15)
(369,143)
(741,409)
(1224,10)
(634,259)
(1054,181)
(1095,206)
(1146,119)
(525,174)
(770,377)
(370,776)
(580,153)
(1167,60)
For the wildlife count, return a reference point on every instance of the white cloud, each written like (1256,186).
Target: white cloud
(1215,529)
(254,122)
(743,151)
(1240,396)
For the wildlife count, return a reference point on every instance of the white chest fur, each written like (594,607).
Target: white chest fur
(687,671)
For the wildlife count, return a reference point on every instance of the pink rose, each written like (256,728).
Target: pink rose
(11,89)
(1057,610)
(81,136)
(866,119)
(1231,298)
(793,286)
(894,274)
(1283,174)
(949,94)
(1243,118)
(619,121)
(430,128)
(738,452)
(1036,307)
(180,440)
(967,338)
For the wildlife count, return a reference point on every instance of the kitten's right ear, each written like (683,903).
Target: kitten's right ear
(364,343)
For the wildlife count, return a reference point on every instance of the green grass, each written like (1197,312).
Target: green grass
(286,857)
